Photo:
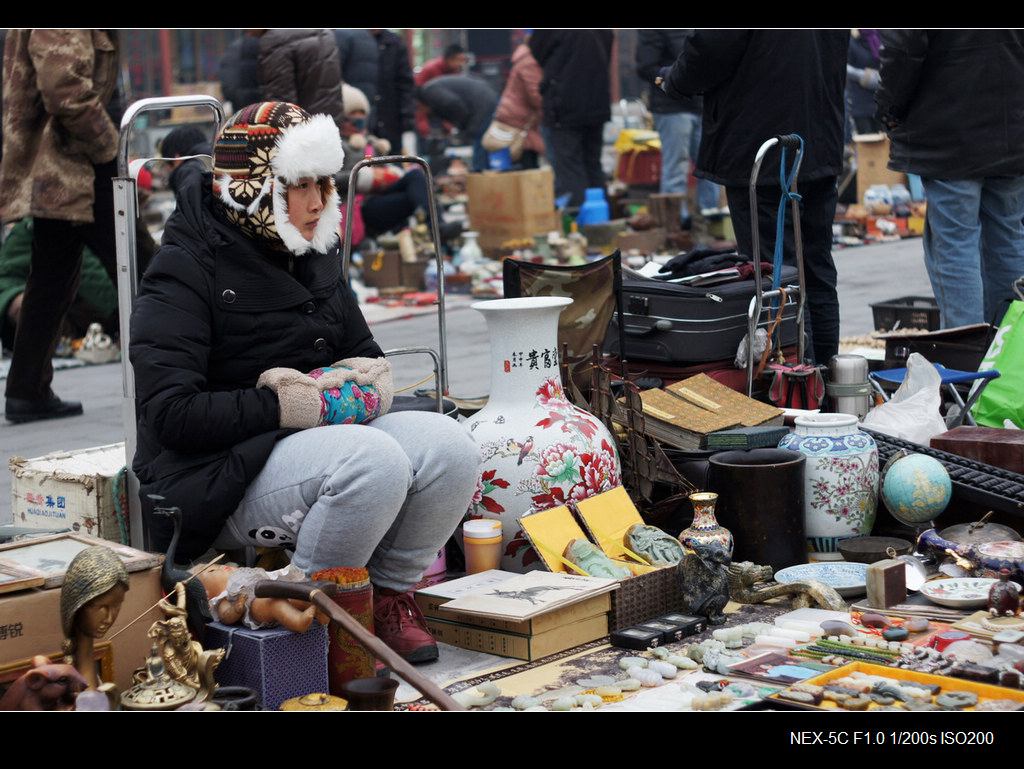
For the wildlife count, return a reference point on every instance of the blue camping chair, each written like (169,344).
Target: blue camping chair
(960,412)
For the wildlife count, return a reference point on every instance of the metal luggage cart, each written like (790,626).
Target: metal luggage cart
(780,293)
(439,356)
(126,213)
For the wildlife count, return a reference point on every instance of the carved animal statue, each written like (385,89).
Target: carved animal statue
(704,582)
(46,686)
(750,583)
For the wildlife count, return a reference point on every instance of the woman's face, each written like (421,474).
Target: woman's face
(96,617)
(305,203)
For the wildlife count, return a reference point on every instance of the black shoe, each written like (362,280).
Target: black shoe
(23,410)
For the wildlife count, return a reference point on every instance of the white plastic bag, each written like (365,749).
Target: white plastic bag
(912,413)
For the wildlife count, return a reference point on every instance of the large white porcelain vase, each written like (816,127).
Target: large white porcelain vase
(538,449)
(840,480)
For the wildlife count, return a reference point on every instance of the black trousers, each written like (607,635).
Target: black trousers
(52,285)
(817,211)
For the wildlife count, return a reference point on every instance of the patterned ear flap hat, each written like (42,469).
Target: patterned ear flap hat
(258,152)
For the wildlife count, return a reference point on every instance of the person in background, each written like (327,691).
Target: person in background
(758,84)
(60,146)
(677,121)
(393,112)
(301,66)
(463,103)
(862,80)
(576,89)
(520,111)
(386,195)
(951,102)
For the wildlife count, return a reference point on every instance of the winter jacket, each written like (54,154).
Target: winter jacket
(302,66)
(394,110)
(953,101)
(761,83)
(216,309)
(358,55)
(239,72)
(576,86)
(57,86)
(657,48)
(465,101)
(521,105)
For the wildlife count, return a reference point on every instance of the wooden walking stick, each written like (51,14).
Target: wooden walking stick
(319,594)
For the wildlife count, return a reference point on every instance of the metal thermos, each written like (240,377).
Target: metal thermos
(848,390)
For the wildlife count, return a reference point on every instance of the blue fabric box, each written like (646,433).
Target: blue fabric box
(277,663)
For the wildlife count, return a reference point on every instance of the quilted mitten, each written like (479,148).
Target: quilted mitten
(299,398)
(355,390)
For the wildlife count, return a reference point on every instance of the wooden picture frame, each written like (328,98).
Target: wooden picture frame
(48,557)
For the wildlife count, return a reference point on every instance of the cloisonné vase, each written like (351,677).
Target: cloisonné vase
(705,528)
(840,480)
(538,449)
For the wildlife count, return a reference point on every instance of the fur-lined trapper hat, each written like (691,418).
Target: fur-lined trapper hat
(258,152)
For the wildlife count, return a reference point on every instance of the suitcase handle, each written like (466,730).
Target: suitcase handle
(659,325)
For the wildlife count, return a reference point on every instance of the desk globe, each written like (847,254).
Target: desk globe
(916,488)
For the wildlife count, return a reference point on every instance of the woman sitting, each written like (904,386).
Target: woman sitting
(261,393)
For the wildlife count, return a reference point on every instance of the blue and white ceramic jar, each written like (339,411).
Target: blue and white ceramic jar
(840,480)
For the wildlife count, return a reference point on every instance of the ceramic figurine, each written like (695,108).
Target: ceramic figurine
(90,600)
(658,546)
(704,581)
(1004,596)
(45,686)
(591,560)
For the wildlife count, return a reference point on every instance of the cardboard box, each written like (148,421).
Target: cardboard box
(524,647)
(511,205)
(431,605)
(277,663)
(70,489)
(30,625)
(873,163)
(387,269)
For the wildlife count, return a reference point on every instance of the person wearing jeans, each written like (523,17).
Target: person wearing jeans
(951,102)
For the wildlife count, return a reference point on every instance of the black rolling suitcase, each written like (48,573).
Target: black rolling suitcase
(696,322)
(685,324)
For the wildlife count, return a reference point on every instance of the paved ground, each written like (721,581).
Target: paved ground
(867,274)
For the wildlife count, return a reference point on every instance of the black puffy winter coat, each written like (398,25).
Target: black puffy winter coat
(216,309)
(757,84)
(576,84)
(953,100)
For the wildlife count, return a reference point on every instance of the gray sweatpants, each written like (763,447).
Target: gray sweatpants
(386,495)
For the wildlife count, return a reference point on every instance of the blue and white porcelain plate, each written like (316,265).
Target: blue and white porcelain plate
(848,579)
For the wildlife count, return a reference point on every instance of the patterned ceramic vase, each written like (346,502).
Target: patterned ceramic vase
(840,480)
(538,450)
(705,528)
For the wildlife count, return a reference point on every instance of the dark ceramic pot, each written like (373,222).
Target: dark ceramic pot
(761,501)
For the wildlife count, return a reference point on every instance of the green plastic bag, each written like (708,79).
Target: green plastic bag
(1003,398)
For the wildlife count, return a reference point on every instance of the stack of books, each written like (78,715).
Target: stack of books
(525,616)
(688,413)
